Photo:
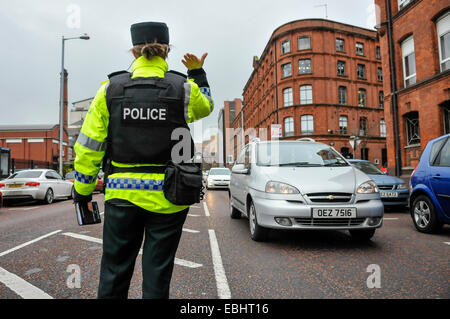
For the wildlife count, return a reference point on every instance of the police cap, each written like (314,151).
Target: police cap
(149,32)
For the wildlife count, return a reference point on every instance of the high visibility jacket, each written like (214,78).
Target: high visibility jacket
(141,189)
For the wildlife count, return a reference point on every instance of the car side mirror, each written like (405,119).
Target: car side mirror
(239,169)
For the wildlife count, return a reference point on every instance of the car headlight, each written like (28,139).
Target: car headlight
(280,188)
(402,186)
(367,188)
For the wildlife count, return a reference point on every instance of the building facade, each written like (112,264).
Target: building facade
(320,79)
(415,49)
(230,128)
(76,120)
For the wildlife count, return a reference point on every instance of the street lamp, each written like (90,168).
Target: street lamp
(61,102)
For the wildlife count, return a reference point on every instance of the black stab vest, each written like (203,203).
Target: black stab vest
(143,112)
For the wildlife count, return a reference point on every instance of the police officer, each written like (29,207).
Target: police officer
(131,120)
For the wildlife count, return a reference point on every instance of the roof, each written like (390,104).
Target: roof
(32,127)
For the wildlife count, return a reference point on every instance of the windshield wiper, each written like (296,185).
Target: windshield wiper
(336,164)
(298,164)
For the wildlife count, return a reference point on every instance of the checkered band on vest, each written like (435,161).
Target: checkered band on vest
(137,184)
(85,179)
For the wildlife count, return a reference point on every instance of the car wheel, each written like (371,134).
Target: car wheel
(424,215)
(72,193)
(362,234)
(257,232)
(49,196)
(234,213)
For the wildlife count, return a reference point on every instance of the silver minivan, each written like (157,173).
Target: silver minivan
(302,185)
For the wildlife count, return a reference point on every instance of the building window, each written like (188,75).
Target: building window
(340,45)
(288,126)
(412,128)
(402,4)
(286,70)
(307,124)
(362,126)
(285,47)
(365,153)
(343,125)
(359,48)
(287,97)
(409,62)
(443,32)
(306,94)
(341,68)
(447,120)
(381,99)
(342,95)
(382,128)
(380,74)
(361,71)
(304,43)
(304,66)
(362,97)
(345,151)
(378,53)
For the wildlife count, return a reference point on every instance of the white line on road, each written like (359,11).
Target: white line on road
(21,287)
(193,215)
(206,209)
(223,290)
(447,242)
(180,262)
(28,243)
(22,208)
(190,230)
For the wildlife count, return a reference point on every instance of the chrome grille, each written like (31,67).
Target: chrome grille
(386,187)
(329,222)
(330,197)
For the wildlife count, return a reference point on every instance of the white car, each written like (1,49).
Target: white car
(218,177)
(36,184)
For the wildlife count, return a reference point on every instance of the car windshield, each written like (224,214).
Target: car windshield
(368,168)
(26,174)
(220,171)
(299,154)
(70,175)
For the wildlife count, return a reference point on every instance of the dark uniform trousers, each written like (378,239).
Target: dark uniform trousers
(123,230)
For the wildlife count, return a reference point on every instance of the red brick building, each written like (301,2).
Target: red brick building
(36,146)
(419,45)
(320,79)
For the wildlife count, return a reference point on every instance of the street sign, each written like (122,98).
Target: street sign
(352,143)
(275,131)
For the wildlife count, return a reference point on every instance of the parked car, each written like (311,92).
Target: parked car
(393,190)
(430,187)
(218,177)
(98,188)
(302,185)
(36,184)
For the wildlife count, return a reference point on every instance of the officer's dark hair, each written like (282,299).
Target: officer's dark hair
(150,50)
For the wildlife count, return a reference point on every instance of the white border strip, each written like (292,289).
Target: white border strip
(28,243)
(223,290)
(21,287)
(206,209)
(180,262)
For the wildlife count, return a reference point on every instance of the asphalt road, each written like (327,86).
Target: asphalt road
(43,250)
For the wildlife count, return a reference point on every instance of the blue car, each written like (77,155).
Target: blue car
(393,190)
(430,187)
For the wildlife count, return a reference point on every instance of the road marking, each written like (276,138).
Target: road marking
(193,215)
(102,213)
(447,242)
(195,207)
(178,261)
(206,209)
(223,290)
(28,243)
(21,287)
(191,230)
(390,218)
(21,208)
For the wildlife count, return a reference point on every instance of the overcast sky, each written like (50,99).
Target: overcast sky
(232,32)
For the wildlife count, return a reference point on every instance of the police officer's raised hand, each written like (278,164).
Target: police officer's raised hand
(192,62)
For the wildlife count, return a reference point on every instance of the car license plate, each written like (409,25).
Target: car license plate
(15,185)
(388,194)
(347,212)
